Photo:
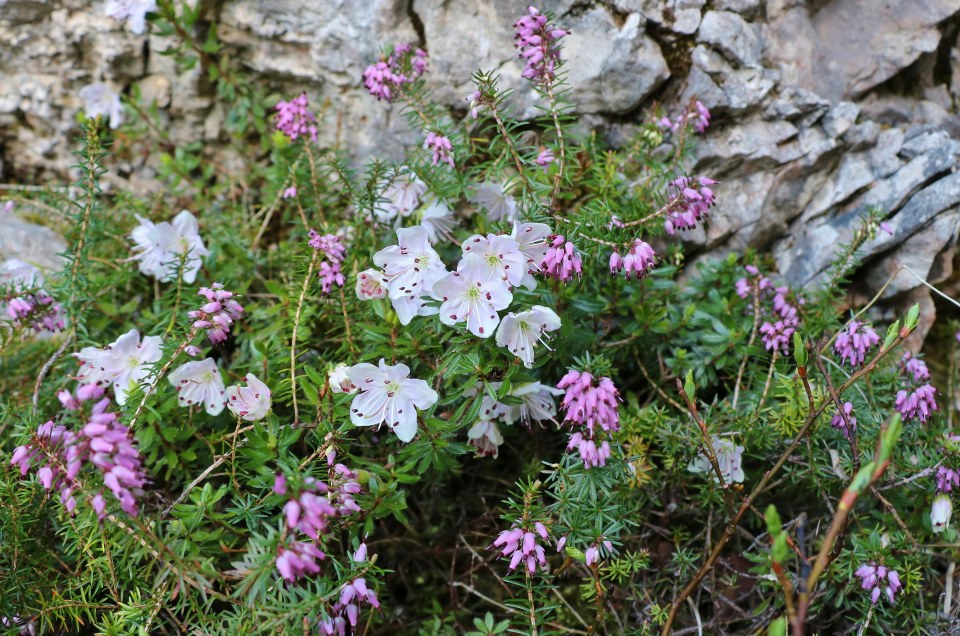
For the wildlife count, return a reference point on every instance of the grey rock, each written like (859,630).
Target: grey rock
(840,118)
(730,34)
(29,242)
(617,68)
(747,8)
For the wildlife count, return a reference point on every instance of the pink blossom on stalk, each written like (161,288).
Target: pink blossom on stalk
(385,76)
(854,342)
(639,260)
(776,335)
(591,454)
(522,546)
(298,559)
(696,115)
(475,102)
(561,260)
(838,420)
(545,158)
(280,484)
(27,305)
(440,146)
(689,203)
(947,479)
(333,250)
(729,458)
(537,43)
(589,405)
(217,314)
(294,118)
(352,595)
(915,367)
(873,577)
(290,192)
(917,405)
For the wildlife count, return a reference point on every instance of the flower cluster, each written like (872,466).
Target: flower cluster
(295,119)
(593,407)
(947,479)
(639,260)
(917,404)
(164,249)
(845,421)
(217,314)
(592,554)
(782,317)
(103,442)
(729,458)
(309,514)
(124,364)
(915,368)
(347,608)
(441,147)
(537,43)
(522,547)
(696,115)
(854,342)
(402,66)
(874,577)
(536,405)
(26,303)
(561,260)
(689,203)
(334,252)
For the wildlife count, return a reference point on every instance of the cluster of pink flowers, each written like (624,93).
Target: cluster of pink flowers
(854,342)
(217,314)
(334,251)
(783,317)
(594,407)
(294,118)
(309,513)
(696,115)
(440,146)
(592,554)
(915,367)
(690,202)
(561,260)
(103,442)
(639,260)
(537,43)
(874,577)
(522,547)
(917,404)
(846,426)
(37,310)
(346,611)
(947,479)
(402,66)
(545,158)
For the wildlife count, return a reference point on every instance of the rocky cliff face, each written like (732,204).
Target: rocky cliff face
(822,108)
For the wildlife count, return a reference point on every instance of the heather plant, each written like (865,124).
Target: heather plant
(480,390)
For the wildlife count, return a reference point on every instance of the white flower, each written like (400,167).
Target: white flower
(494,199)
(251,402)
(401,197)
(498,256)
(437,219)
(941,512)
(486,438)
(538,404)
(729,457)
(100,101)
(199,382)
(408,307)
(520,332)
(467,296)
(411,267)
(370,285)
(159,247)
(339,380)
(133,10)
(532,239)
(388,394)
(125,364)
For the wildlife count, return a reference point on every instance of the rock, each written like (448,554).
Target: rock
(746,8)
(840,118)
(155,90)
(616,69)
(734,37)
(31,243)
